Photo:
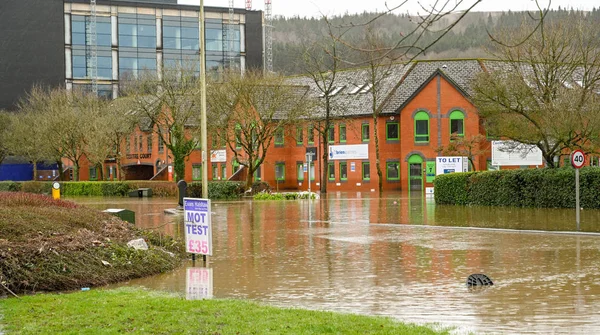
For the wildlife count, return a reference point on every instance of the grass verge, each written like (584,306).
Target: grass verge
(138,311)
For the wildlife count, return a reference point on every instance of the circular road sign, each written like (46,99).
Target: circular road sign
(56,185)
(577,159)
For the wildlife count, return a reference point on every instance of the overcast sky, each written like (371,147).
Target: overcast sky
(331,7)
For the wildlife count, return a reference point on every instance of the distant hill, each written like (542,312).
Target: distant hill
(468,39)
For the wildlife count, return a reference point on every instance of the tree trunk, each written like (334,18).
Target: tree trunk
(325,165)
(76,172)
(249,178)
(179,167)
(35,171)
(60,169)
(101,174)
(377,155)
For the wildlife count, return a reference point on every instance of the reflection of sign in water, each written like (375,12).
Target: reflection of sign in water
(355,151)
(198,284)
(218,156)
(198,231)
(451,164)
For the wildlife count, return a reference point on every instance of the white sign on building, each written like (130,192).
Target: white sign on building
(218,156)
(515,153)
(353,151)
(451,164)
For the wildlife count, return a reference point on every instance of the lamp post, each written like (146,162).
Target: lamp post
(203,127)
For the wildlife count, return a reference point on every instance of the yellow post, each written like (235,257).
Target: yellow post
(56,191)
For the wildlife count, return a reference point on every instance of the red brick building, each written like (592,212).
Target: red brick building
(424,103)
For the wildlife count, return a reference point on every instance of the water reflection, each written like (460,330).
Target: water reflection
(401,257)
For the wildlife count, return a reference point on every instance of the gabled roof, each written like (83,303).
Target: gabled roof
(458,72)
(409,78)
(346,101)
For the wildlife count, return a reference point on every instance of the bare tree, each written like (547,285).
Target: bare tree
(251,110)
(335,51)
(27,136)
(378,59)
(544,92)
(322,64)
(171,101)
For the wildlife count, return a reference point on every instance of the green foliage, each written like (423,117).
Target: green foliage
(284,196)
(10,186)
(544,188)
(452,188)
(38,187)
(221,190)
(159,188)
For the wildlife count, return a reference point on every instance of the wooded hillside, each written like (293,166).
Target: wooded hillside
(468,39)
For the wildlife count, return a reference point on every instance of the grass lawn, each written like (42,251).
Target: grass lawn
(138,311)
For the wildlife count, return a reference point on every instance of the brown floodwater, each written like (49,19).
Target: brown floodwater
(395,256)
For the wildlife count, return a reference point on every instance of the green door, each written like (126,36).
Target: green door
(415,173)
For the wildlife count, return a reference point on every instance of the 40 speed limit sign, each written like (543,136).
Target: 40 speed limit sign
(577,159)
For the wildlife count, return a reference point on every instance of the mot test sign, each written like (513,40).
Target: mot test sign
(197,226)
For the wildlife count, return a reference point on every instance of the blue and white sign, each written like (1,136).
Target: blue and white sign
(353,151)
(451,164)
(197,226)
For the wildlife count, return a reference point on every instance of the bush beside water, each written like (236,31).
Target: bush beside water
(545,188)
(216,190)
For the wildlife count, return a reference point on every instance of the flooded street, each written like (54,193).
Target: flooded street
(398,256)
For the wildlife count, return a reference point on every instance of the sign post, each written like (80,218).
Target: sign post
(309,156)
(197,226)
(577,160)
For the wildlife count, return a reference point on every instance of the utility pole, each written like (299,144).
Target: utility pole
(203,126)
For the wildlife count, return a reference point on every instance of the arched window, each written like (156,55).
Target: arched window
(421,127)
(457,123)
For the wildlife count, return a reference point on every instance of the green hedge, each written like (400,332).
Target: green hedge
(216,190)
(520,188)
(10,186)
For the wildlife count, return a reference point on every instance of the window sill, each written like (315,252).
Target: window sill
(421,144)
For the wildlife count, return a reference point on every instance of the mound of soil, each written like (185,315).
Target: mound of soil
(52,245)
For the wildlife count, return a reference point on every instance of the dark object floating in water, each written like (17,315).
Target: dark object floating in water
(479,279)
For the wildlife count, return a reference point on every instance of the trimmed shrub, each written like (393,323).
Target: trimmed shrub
(221,190)
(452,188)
(159,188)
(546,188)
(10,186)
(38,187)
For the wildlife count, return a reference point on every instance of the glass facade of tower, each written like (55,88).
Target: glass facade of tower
(81,40)
(131,41)
(137,44)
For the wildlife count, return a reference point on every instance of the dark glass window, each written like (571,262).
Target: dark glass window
(366,171)
(393,170)
(343,171)
(392,131)
(365,132)
(422,130)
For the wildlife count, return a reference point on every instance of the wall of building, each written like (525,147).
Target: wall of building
(32,47)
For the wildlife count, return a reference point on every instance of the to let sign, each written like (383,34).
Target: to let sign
(198,230)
